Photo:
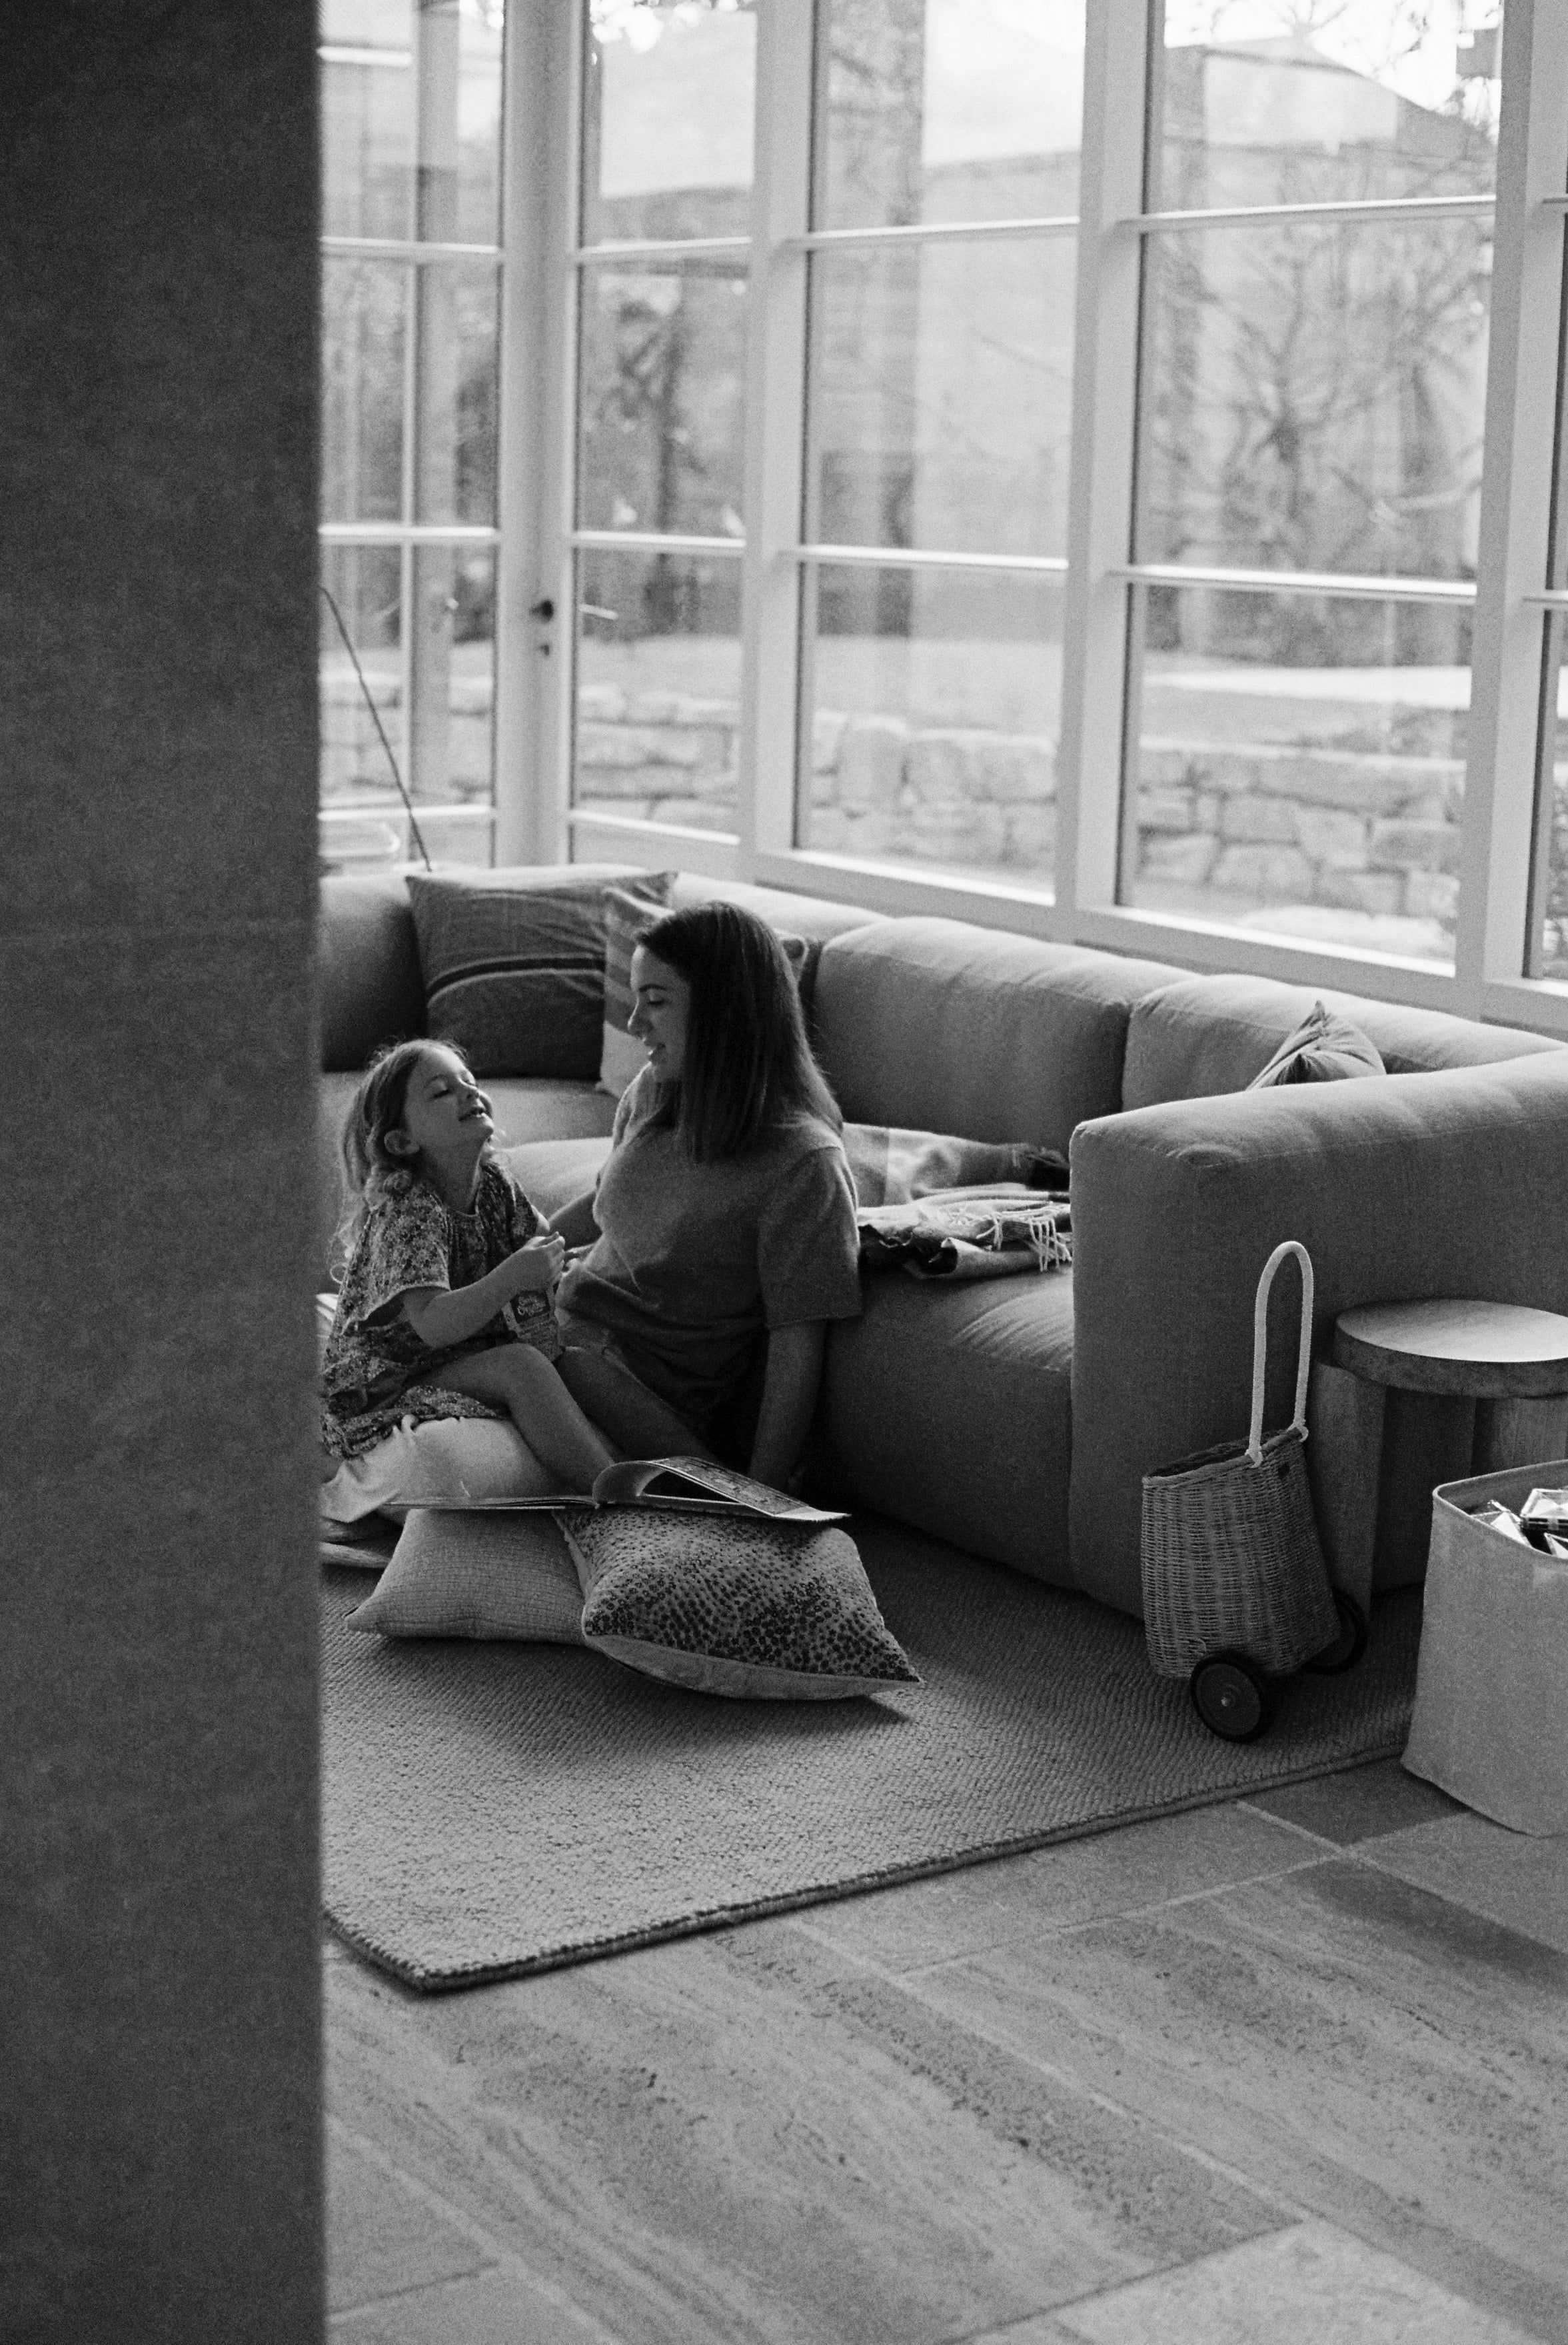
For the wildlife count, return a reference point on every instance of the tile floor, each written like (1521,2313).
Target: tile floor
(1293,2069)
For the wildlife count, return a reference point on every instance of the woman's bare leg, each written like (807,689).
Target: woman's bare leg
(644,1424)
(520,1379)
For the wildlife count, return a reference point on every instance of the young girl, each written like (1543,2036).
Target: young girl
(445,1308)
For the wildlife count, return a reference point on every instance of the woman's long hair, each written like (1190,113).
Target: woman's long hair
(748,1065)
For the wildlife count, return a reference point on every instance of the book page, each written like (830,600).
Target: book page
(700,1481)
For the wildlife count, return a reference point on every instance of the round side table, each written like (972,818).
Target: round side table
(1513,1362)
(1374,1511)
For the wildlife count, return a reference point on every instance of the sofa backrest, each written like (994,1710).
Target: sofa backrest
(371,988)
(370,992)
(945,1027)
(1204,1035)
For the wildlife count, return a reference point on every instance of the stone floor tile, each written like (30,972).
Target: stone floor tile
(747,2138)
(1354,1805)
(504,2306)
(1515,1878)
(1370,2052)
(1056,1888)
(1312,2285)
(382,2235)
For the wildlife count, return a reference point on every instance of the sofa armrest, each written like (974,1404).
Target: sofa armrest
(1453,1184)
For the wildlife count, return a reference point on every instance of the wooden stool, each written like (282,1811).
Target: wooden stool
(1511,1363)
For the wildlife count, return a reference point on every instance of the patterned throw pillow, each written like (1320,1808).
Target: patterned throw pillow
(514,965)
(725,1604)
(625,919)
(473,1573)
(1324,1049)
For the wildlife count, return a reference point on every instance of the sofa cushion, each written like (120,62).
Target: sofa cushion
(939,1026)
(1204,1035)
(950,1406)
(367,965)
(514,964)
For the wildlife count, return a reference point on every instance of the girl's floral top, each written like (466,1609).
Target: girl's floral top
(410,1238)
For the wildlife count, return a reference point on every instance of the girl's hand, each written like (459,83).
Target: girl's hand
(538,1264)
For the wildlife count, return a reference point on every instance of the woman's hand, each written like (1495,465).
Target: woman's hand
(537,1266)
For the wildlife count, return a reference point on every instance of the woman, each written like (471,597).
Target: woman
(723,1223)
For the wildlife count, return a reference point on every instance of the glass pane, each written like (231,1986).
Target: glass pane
(1296,765)
(453,662)
(1315,398)
(658,687)
(933,703)
(458,56)
(935,110)
(1553,772)
(456,347)
(667,110)
(367,117)
(364,311)
(662,396)
(1258,103)
(479,122)
(361,811)
(941,396)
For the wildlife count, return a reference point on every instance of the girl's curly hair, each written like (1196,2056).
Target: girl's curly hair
(370,1169)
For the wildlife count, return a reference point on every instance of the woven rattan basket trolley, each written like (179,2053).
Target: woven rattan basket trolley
(1235,1588)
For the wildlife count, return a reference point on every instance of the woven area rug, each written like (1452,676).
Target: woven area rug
(491,1810)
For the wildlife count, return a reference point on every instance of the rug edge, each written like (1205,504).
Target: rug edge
(425,1979)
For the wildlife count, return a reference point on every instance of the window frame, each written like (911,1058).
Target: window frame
(538,542)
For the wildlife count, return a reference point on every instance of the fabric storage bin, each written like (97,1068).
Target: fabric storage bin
(1491,1720)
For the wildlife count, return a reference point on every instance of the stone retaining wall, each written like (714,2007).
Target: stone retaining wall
(1247,824)
(1261,823)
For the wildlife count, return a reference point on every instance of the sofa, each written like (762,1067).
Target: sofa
(1015,1417)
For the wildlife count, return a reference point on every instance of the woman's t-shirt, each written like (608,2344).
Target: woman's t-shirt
(696,1260)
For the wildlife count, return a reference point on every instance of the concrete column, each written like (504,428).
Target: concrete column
(159,2024)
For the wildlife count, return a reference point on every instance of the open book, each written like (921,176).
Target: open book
(675,1485)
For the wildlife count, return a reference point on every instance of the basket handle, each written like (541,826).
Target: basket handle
(1260,1346)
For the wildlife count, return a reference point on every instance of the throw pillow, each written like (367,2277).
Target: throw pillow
(1324,1049)
(626,917)
(513,966)
(893,1167)
(726,1606)
(479,1575)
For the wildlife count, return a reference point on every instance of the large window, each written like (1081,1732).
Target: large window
(1092,465)
(411,206)
(1315,279)
(664,258)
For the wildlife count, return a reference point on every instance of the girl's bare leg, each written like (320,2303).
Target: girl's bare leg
(520,1379)
(644,1424)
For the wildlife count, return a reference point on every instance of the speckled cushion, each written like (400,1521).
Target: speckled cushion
(729,1606)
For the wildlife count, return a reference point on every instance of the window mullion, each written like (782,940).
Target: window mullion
(1105,376)
(775,418)
(1516,491)
(534,653)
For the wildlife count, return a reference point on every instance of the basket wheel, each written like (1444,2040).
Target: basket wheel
(1345,1650)
(1231,1695)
